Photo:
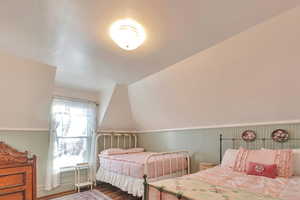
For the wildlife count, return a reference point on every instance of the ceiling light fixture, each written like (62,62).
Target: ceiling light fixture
(127,34)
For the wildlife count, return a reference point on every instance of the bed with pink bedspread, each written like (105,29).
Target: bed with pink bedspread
(126,171)
(225,184)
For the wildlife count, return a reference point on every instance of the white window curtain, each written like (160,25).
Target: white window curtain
(72,138)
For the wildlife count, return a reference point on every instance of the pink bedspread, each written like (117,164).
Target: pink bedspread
(281,188)
(284,188)
(133,164)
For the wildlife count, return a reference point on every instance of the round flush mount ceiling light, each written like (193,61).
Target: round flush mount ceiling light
(127,34)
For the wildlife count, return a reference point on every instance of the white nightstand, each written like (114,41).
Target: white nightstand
(206,165)
(78,183)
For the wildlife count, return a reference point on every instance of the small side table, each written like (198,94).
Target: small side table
(206,165)
(78,183)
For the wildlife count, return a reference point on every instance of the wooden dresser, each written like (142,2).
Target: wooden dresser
(17,174)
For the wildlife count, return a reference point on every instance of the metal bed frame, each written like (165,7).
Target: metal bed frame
(112,135)
(258,143)
(130,141)
(236,142)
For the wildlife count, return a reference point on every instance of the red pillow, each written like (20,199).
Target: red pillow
(258,169)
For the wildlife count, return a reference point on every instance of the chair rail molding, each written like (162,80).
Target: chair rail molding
(206,127)
(25,129)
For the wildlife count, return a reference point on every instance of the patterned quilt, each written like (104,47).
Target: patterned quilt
(195,189)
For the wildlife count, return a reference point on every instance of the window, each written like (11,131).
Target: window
(73,124)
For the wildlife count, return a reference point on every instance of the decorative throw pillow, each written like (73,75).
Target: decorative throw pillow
(283,158)
(259,169)
(296,162)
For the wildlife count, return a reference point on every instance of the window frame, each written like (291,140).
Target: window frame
(87,138)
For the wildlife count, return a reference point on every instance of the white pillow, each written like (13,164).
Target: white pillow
(229,158)
(296,157)
(117,151)
(113,151)
(134,150)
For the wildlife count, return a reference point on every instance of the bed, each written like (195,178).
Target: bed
(224,183)
(129,170)
(17,174)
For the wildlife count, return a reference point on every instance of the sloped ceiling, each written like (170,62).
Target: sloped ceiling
(73,34)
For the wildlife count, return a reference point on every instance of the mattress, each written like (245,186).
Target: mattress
(235,185)
(134,164)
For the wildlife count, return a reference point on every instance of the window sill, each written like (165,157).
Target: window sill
(72,168)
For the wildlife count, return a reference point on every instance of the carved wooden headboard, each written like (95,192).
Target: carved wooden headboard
(8,155)
(17,174)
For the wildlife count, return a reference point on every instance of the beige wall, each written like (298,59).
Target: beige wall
(105,96)
(252,77)
(117,115)
(26,89)
(76,93)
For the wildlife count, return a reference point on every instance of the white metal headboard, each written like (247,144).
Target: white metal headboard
(129,140)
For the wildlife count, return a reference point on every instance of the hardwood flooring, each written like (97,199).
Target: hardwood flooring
(109,190)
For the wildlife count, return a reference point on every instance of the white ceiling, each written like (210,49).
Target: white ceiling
(73,34)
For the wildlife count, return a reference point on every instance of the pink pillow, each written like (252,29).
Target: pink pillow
(282,158)
(113,151)
(259,169)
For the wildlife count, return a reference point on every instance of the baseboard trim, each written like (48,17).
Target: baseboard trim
(64,187)
(60,194)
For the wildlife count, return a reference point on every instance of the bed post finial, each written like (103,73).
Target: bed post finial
(221,147)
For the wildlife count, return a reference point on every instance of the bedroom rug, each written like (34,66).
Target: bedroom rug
(88,195)
(103,192)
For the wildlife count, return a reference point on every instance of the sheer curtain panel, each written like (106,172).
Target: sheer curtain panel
(72,137)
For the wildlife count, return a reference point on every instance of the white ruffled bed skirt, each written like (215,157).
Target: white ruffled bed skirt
(134,186)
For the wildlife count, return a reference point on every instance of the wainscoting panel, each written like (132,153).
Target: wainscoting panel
(203,144)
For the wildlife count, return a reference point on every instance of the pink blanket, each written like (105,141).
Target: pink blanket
(283,188)
(133,164)
(279,188)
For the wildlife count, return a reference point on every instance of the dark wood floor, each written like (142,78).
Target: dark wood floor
(114,193)
(109,190)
